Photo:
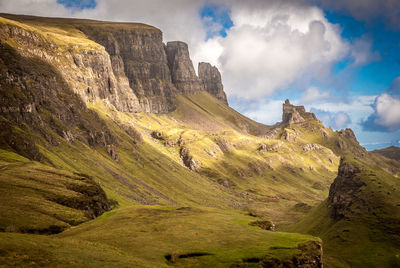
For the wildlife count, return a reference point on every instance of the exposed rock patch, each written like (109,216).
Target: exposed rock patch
(212,82)
(270,148)
(265,225)
(112,152)
(189,161)
(342,193)
(295,114)
(309,256)
(223,145)
(181,67)
(312,147)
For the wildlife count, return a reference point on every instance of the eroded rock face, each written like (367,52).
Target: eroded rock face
(140,66)
(182,71)
(342,194)
(212,82)
(42,100)
(223,145)
(312,147)
(295,114)
(189,161)
(309,256)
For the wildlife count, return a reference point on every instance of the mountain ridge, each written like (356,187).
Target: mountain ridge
(119,106)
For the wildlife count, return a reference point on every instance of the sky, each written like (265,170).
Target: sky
(338,58)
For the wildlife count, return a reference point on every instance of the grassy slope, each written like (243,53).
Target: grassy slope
(369,237)
(143,236)
(36,198)
(268,184)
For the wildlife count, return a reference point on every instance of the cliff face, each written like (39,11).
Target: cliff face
(35,95)
(139,63)
(181,66)
(126,64)
(212,82)
(342,193)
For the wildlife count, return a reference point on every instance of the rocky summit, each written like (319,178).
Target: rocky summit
(115,153)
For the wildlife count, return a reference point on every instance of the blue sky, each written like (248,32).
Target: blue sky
(338,58)
(372,78)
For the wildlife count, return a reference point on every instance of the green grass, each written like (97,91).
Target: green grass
(151,233)
(369,236)
(150,181)
(32,196)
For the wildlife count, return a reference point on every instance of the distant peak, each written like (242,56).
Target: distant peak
(293,114)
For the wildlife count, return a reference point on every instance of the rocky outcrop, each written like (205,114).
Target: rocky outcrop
(311,147)
(309,256)
(139,63)
(42,98)
(212,82)
(188,159)
(127,65)
(295,114)
(265,225)
(223,145)
(182,72)
(270,147)
(343,191)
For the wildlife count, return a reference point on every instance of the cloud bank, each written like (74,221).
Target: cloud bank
(386,116)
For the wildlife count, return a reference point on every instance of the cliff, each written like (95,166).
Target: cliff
(181,66)
(211,78)
(127,63)
(110,100)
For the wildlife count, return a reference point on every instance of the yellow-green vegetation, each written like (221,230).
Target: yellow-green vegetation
(35,198)
(368,234)
(184,186)
(155,237)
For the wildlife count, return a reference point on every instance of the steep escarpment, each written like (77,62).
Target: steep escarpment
(211,78)
(126,64)
(34,96)
(343,191)
(183,75)
(361,214)
(139,63)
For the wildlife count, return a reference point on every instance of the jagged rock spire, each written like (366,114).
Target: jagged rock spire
(211,78)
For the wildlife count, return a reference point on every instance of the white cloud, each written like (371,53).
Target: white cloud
(313,94)
(341,120)
(387,111)
(35,7)
(386,116)
(337,120)
(268,111)
(273,45)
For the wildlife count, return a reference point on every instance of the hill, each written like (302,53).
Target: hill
(107,130)
(359,221)
(391,152)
